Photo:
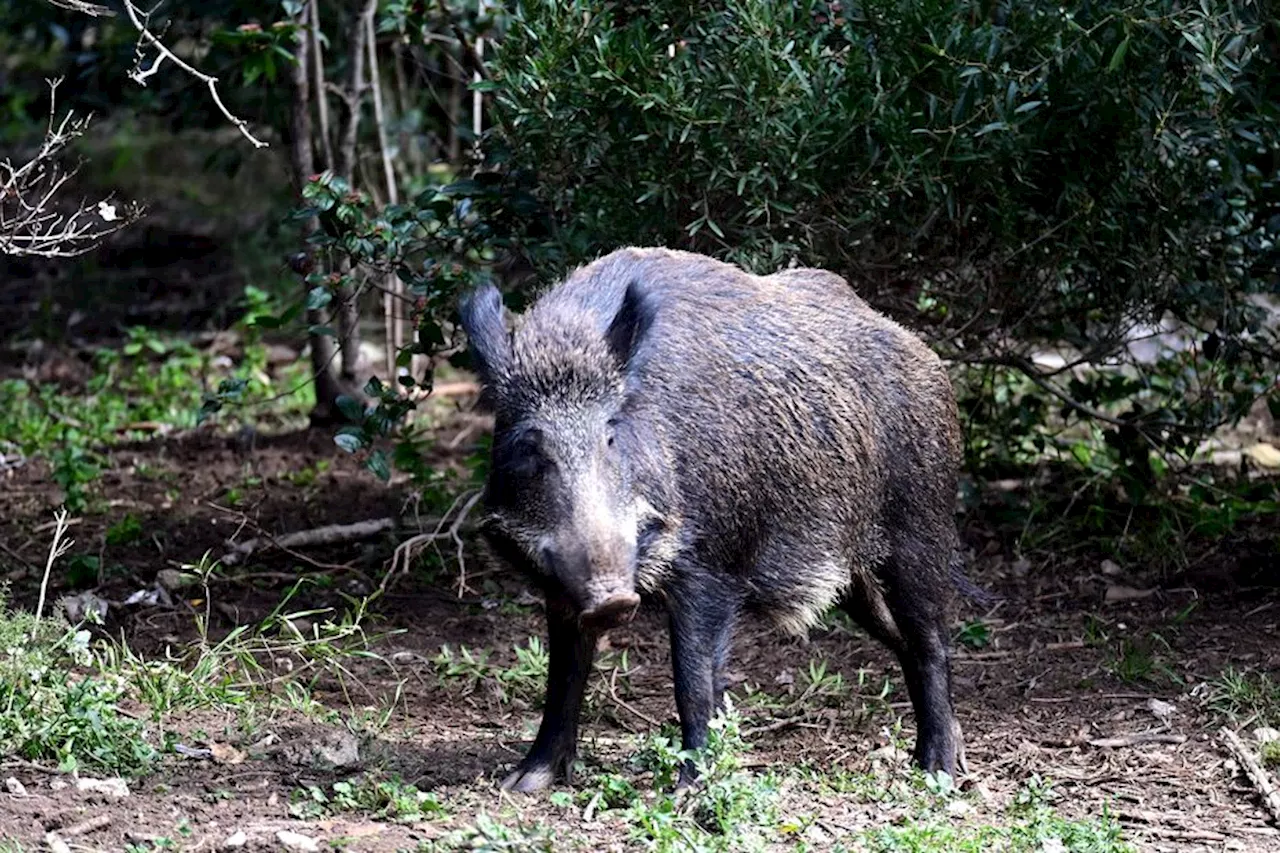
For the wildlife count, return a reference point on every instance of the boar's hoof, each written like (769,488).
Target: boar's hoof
(688,780)
(611,612)
(530,779)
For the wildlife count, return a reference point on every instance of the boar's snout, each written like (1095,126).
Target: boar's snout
(611,611)
(603,587)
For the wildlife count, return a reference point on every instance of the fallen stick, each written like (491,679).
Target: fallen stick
(1257,775)
(1137,740)
(84,827)
(330,534)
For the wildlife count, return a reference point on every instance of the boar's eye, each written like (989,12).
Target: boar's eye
(522,454)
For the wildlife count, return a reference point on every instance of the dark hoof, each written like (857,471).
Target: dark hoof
(530,779)
(687,781)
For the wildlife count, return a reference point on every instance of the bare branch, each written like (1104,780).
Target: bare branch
(141,22)
(91,9)
(31,222)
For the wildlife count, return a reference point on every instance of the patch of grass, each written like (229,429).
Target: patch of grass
(1039,831)
(389,799)
(150,383)
(974,635)
(57,703)
(524,679)
(1247,698)
(727,808)
(487,835)
(1142,659)
(125,531)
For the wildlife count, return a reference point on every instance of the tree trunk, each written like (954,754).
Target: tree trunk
(302,162)
(348,306)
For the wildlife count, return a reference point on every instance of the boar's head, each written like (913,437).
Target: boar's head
(561,500)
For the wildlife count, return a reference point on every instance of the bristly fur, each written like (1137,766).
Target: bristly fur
(671,424)
(783,434)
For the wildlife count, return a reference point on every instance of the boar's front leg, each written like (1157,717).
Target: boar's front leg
(572,649)
(702,615)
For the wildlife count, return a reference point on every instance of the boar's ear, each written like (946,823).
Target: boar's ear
(483,318)
(630,324)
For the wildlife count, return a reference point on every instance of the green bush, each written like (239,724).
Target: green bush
(1005,176)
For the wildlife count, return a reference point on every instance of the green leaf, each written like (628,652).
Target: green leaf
(326,331)
(318,297)
(379,465)
(350,442)
(350,407)
(1118,55)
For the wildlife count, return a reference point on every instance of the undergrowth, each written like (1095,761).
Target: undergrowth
(153,383)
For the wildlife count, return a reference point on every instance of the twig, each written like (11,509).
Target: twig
(328,535)
(84,827)
(30,223)
(57,548)
(139,76)
(91,9)
(406,551)
(613,694)
(1257,775)
(799,721)
(1137,739)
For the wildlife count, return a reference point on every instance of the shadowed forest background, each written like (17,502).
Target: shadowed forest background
(240,451)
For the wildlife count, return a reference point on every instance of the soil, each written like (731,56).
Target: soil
(1031,701)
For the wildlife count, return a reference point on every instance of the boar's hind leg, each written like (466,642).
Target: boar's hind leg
(909,618)
(702,619)
(571,649)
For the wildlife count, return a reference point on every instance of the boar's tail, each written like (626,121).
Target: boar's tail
(966,587)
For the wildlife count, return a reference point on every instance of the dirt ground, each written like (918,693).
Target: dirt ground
(1059,677)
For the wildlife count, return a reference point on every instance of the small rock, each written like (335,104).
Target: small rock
(785,677)
(1161,709)
(889,754)
(84,606)
(958,807)
(235,841)
(1111,569)
(13,786)
(226,754)
(114,788)
(172,579)
(1052,844)
(295,841)
(57,784)
(1266,734)
(335,750)
(55,843)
